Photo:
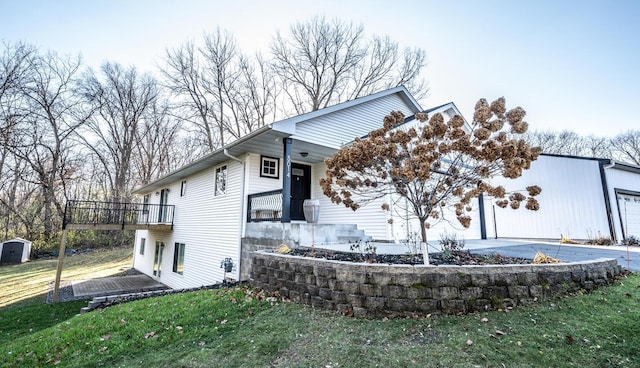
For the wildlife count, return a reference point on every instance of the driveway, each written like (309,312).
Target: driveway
(567,253)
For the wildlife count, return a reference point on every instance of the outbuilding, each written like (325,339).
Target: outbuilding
(15,251)
(582,198)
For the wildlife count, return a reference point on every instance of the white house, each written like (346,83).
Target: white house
(255,188)
(263,176)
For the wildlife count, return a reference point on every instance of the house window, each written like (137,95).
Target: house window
(178,258)
(183,188)
(157,259)
(269,167)
(221,180)
(143,242)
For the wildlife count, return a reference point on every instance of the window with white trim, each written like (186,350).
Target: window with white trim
(269,167)
(221,181)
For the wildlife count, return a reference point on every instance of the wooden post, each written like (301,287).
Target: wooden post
(63,244)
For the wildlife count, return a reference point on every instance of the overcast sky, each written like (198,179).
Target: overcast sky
(573,65)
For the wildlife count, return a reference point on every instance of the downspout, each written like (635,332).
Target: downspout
(241,222)
(607,201)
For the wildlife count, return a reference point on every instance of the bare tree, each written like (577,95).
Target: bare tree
(50,114)
(121,99)
(157,149)
(254,105)
(569,143)
(325,62)
(435,164)
(626,146)
(221,94)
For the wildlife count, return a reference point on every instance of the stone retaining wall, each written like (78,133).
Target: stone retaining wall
(380,289)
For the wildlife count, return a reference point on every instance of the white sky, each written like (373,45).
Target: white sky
(571,64)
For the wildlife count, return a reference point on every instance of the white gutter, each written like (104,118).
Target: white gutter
(241,222)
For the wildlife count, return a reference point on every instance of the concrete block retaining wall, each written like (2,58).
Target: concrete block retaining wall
(391,290)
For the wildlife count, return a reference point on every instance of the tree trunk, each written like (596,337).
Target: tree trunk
(423,244)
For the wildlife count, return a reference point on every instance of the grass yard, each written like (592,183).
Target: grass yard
(242,328)
(30,281)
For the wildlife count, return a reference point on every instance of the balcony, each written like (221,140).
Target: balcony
(92,215)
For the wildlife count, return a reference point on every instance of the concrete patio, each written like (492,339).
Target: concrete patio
(114,285)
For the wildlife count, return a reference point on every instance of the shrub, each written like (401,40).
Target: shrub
(566,240)
(450,243)
(367,251)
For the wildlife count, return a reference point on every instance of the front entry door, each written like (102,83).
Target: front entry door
(300,189)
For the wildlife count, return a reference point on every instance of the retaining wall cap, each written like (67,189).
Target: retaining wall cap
(528,267)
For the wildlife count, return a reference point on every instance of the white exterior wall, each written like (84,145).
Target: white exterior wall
(404,224)
(621,180)
(341,127)
(370,218)
(257,183)
(208,225)
(571,203)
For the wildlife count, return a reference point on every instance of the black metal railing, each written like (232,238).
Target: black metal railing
(265,206)
(116,213)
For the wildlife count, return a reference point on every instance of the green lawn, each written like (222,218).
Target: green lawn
(240,328)
(31,281)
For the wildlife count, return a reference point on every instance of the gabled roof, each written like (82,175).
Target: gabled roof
(288,125)
(268,139)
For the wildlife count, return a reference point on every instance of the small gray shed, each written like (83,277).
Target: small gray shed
(15,251)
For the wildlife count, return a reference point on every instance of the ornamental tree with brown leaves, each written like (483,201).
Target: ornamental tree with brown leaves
(435,163)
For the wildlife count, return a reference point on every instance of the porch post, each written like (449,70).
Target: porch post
(286,181)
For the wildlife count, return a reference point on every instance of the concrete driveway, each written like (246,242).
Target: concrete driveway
(567,252)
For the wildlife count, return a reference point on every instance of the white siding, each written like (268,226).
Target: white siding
(208,225)
(341,127)
(571,203)
(405,224)
(625,181)
(256,183)
(370,218)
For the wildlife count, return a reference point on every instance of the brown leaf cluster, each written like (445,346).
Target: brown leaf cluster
(435,163)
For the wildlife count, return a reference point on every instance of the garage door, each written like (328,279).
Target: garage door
(629,206)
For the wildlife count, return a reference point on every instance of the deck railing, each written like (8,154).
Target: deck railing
(116,213)
(265,206)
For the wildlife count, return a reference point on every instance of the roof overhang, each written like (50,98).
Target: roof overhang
(265,140)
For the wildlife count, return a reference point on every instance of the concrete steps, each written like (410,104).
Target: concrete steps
(350,234)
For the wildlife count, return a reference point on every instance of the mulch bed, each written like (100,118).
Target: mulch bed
(457,258)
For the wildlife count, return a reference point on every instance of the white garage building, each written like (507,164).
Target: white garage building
(582,198)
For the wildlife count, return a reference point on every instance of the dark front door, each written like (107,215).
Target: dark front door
(11,252)
(300,189)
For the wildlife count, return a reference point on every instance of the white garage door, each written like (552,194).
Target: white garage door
(629,206)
